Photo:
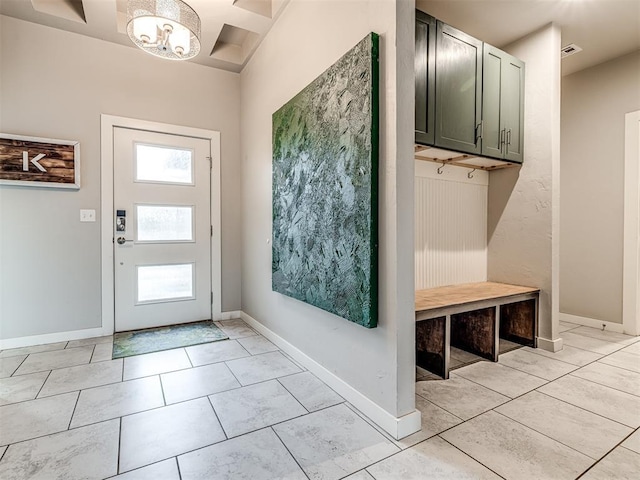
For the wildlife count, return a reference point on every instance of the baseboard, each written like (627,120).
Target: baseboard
(53,337)
(592,322)
(226,315)
(550,345)
(396,427)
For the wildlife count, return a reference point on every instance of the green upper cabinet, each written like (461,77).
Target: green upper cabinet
(502,105)
(469,95)
(458,90)
(425,69)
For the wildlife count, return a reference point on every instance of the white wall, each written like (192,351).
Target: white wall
(594,103)
(56,84)
(450,225)
(523,229)
(308,38)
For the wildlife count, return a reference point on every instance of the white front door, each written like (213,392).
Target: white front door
(162,229)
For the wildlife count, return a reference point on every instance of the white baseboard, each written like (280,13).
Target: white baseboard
(550,345)
(226,315)
(53,337)
(592,322)
(396,427)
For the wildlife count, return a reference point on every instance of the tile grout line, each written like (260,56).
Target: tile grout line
(288,451)
(41,387)
(607,386)
(619,444)
(586,410)
(74,410)
(119,445)
(292,395)
(469,455)
(224,432)
(178,466)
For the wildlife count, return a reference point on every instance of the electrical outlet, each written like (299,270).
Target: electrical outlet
(87,215)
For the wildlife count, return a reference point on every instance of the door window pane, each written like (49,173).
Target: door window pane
(164,282)
(163,164)
(157,223)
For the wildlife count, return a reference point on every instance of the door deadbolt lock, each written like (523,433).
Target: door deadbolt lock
(122,240)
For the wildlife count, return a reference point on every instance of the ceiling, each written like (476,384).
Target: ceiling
(604,29)
(233,29)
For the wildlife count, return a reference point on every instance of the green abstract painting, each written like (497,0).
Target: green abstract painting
(325,189)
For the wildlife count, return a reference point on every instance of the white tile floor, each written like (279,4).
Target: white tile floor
(241,409)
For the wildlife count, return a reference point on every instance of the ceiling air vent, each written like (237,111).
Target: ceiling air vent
(570,50)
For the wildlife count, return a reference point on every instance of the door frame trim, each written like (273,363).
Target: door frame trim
(107,125)
(631,249)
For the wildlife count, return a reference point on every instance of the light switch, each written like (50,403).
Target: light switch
(87,215)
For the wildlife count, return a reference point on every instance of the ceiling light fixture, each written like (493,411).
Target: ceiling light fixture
(164,28)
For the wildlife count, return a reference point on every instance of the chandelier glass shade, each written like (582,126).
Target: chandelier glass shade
(164,28)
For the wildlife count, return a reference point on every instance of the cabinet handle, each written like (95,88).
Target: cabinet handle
(508,140)
(501,140)
(479,131)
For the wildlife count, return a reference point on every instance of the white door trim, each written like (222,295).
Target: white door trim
(631,256)
(107,124)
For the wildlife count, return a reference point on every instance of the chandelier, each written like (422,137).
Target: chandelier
(164,28)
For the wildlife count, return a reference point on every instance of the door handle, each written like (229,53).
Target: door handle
(122,240)
(501,139)
(508,141)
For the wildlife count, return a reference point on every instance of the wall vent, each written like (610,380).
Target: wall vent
(570,49)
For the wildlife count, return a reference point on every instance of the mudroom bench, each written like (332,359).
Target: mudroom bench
(472,317)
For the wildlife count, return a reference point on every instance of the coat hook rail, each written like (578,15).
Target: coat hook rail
(441,167)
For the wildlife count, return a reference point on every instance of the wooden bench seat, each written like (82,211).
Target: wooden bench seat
(472,317)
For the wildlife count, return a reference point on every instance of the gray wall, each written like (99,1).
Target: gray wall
(56,84)
(306,39)
(523,223)
(594,103)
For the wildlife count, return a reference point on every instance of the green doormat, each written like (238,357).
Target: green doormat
(126,344)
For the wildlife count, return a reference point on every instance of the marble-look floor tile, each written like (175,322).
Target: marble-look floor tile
(35,418)
(633,442)
(310,392)
(635,348)
(605,335)
(257,406)
(90,341)
(515,451)
(624,360)
(434,459)
(10,364)
(48,347)
(165,470)
(155,363)
(564,326)
(102,352)
(163,433)
(118,399)
(216,352)
(579,429)
(39,362)
(333,443)
(20,388)
(433,421)
(261,367)
(197,382)
(613,404)
(257,456)
(361,475)
(236,329)
(83,376)
(501,379)
(589,343)
(257,344)
(610,376)
(88,453)
(459,396)
(620,464)
(537,365)
(568,354)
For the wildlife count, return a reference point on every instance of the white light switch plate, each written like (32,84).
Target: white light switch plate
(87,215)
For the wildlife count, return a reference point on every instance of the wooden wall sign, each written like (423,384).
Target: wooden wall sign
(39,162)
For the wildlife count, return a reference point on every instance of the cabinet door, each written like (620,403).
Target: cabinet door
(425,67)
(493,132)
(458,90)
(513,108)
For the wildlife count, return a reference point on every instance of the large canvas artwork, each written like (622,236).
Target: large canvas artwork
(325,189)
